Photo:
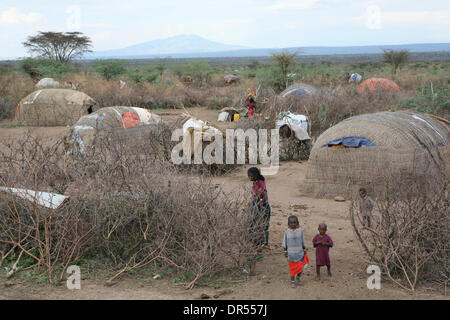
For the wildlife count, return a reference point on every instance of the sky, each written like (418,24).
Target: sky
(114,24)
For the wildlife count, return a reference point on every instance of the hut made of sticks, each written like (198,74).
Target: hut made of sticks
(53,107)
(367,150)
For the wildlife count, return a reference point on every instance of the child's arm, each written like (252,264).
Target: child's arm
(315,244)
(303,242)
(330,242)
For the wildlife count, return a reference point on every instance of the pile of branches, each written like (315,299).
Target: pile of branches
(135,209)
(409,233)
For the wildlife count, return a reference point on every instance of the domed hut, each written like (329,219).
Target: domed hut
(230,78)
(53,107)
(299,90)
(373,84)
(366,150)
(108,119)
(47,83)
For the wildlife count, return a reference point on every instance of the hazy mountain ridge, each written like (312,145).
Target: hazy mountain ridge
(192,46)
(182,44)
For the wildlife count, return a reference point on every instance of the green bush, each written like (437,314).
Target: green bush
(200,71)
(42,67)
(179,70)
(434,100)
(109,69)
(143,75)
(270,76)
(5,69)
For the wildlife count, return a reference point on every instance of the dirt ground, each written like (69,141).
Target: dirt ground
(272,280)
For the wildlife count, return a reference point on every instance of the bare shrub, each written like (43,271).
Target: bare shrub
(13,87)
(128,203)
(409,234)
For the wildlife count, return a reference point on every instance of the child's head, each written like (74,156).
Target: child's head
(322,228)
(254,174)
(362,192)
(293,222)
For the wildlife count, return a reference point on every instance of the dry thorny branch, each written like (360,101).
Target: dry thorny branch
(409,233)
(134,208)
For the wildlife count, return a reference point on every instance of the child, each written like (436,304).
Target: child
(260,213)
(260,199)
(251,106)
(295,250)
(366,205)
(322,242)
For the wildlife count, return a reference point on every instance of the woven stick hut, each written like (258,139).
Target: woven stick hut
(53,107)
(107,120)
(365,150)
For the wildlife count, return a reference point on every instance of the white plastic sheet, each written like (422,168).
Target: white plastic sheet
(44,199)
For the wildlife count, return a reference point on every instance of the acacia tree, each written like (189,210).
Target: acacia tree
(396,58)
(59,46)
(285,59)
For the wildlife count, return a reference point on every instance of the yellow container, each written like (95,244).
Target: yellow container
(236,116)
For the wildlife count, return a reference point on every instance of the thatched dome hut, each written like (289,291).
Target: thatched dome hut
(53,107)
(372,85)
(107,120)
(366,150)
(299,90)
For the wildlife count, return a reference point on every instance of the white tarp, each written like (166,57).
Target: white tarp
(297,122)
(223,116)
(48,83)
(44,199)
(355,77)
(195,127)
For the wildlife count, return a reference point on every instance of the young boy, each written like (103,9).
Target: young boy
(295,250)
(365,205)
(322,242)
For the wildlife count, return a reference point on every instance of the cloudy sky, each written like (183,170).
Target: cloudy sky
(114,24)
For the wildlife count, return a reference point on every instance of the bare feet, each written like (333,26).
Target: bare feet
(292,284)
(317,278)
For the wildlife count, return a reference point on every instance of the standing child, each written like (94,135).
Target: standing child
(251,106)
(322,242)
(366,205)
(295,250)
(260,213)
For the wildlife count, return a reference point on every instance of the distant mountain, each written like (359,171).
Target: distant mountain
(182,44)
(192,46)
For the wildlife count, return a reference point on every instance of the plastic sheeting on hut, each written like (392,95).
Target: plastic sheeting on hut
(206,134)
(230,78)
(86,128)
(47,83)
(53,107)
(405,143)
(373,84)
(355,78)
(297,124)
(228,114)
(299,90)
